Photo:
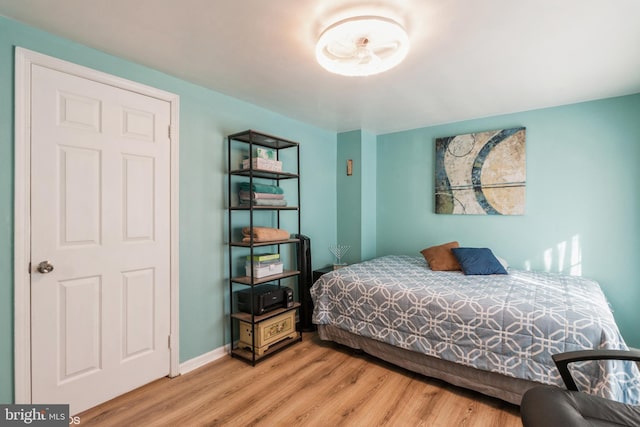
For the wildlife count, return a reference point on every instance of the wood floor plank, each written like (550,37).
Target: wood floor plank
(312,383)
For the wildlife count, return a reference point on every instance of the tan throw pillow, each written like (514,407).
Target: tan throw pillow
(440,258)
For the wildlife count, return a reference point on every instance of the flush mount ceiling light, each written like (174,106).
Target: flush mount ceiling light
(362,46)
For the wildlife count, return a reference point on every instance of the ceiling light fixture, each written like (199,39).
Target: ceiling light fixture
(362,46)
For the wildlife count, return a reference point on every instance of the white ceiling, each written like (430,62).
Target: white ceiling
(468,58)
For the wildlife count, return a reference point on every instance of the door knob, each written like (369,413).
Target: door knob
(44,267)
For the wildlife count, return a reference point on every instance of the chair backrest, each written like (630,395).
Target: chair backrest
(563,360)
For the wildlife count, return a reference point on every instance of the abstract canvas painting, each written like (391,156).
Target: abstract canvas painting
(481,173)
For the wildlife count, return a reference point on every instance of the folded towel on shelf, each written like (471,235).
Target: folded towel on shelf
(264,202)
(246,195)
(264,234)
(261,188)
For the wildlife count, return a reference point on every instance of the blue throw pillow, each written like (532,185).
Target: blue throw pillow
(476,261)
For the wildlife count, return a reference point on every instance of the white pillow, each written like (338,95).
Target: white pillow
(503,261)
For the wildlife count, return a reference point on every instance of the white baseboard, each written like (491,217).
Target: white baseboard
(203,359)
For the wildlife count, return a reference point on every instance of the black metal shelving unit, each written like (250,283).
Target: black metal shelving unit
(251,139)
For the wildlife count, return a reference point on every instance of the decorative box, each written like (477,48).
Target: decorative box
(268,332)
(264,153)
(263,164)
(263,269)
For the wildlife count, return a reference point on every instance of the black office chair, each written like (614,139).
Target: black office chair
(552,406)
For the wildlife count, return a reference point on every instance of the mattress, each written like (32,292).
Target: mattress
(508,325)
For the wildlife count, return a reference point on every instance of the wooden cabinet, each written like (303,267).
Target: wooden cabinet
(257,161)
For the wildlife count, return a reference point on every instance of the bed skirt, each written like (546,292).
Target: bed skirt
(492,384)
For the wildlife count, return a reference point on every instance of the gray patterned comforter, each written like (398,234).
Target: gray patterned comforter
(509,324)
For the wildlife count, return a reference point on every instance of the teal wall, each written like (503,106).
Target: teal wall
(356,194)
(583,198)
(349,195)
(206,117)
(369,156)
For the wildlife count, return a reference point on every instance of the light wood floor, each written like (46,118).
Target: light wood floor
(311,383)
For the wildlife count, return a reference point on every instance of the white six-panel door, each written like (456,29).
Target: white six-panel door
(100,215)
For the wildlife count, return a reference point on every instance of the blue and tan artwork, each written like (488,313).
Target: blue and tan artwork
(481,173)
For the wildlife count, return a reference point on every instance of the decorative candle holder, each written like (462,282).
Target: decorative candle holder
(339,251)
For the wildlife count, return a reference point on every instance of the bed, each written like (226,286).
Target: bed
(493,333)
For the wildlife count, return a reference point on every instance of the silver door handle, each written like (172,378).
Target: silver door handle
(44,267)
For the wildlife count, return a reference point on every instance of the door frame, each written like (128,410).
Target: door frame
(24,60)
